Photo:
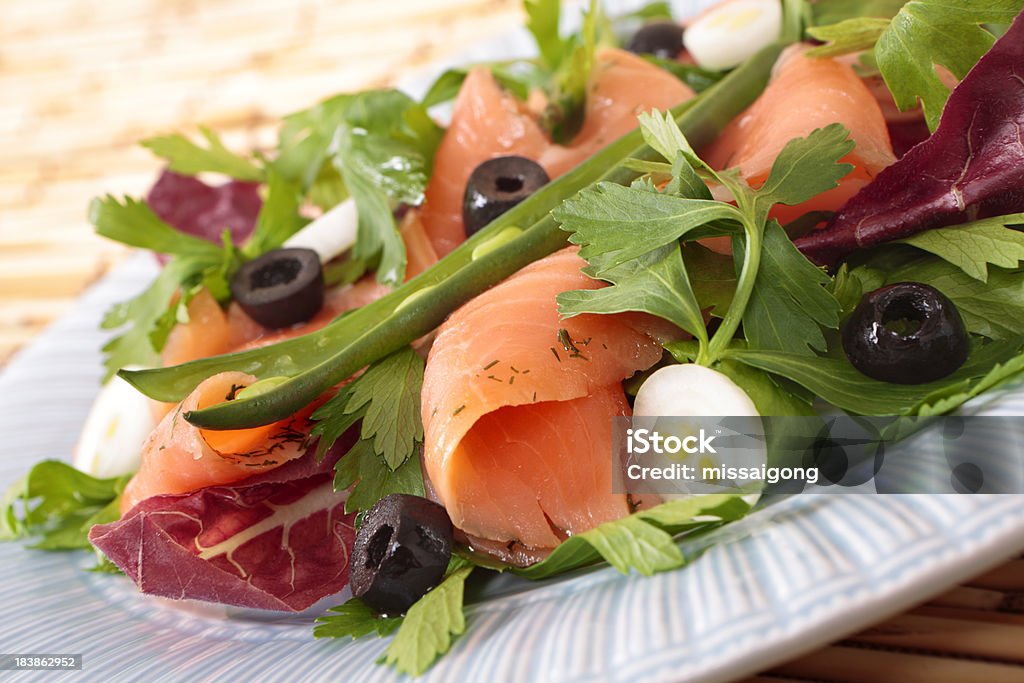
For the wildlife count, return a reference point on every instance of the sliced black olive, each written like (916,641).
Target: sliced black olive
(497,185)
(401,551)
(281,287)
(662,39)
(906,333)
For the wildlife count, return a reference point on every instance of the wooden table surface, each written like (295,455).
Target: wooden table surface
(82,80)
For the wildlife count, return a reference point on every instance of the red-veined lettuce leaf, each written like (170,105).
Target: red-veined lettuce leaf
(971,167)
(202,210)
(279,540)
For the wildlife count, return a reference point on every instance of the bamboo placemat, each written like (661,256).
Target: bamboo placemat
(82,80)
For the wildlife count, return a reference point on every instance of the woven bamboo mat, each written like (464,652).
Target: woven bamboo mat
(82,80)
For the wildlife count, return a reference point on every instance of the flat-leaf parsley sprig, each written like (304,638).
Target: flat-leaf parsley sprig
(630,237)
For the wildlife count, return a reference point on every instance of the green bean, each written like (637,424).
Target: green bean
(319,360)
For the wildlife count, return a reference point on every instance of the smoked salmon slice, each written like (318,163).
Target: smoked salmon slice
(179,457)
(623,86)
(517,408)
(806,93)
(488,122)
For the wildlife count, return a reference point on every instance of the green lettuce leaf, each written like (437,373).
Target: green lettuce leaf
(57,505)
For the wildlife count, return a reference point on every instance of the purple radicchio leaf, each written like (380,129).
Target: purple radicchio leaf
(279,540)
(971,167)
(205,211)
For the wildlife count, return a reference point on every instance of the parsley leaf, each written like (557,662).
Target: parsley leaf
(57,504)
(628,237)
(662,134)
(614,224)
(132,222)
(376,146)
(387,399)
(805,168)
(152,314)
(929,32)
(851,35)
(994,308)
(972,247)
(836,381)
(429,627)
(642,541)
(354,619)
(921,36)
(302,151)
(789,303)
(278,219)
(383,149)
(371,479)
(542,21)
(655,282)
(188,158)
(714,278)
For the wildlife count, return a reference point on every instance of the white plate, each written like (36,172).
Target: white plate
(782,582)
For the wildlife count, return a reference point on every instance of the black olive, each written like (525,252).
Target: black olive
(281,287)
(906,333)
(401,551)
(662,39)
(497,185)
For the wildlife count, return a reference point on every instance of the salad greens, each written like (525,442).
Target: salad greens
(324,358)
(921,35)
(188,158)
(377,146)
(151,315)
(385,402)
(975,246)
(57,505)
(637,209)
(644,541)
(629,237)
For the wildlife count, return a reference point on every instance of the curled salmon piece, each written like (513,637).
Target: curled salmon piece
(207,332)
(179,457)
(517,408)
(212,331)
(804,94)
(488,122)
(623,86)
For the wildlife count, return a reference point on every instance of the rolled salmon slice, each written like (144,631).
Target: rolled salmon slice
(517,408)
(488,122)
(179,457)
(623,86)
(806,93)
